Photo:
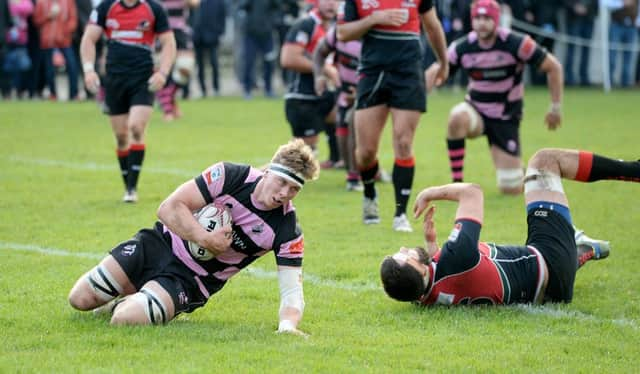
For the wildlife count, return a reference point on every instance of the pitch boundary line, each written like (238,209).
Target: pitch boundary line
(544,310)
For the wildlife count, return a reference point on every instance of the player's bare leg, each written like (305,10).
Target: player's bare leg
(100,285)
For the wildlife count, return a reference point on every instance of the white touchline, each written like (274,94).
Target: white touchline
(545,310)
(253,271)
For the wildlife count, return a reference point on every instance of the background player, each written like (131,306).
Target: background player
(131,28)
(391,81)
(494,59)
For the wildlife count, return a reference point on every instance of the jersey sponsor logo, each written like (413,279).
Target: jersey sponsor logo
(128,249)
(144,25)
(127,34)
(453,236)
(112,23)
(297,246)
(368,4)
(540,213)
(258,228)
(213,175)
(408,4)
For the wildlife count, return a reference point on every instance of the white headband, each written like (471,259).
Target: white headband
(287,173)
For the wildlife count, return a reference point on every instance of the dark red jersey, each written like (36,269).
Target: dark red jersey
(306,32)
(131,33)
(466,271)
(389,47)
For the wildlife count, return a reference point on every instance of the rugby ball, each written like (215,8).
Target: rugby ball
(210,217)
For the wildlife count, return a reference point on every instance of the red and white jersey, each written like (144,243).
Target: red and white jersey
(466,271)
(131,32)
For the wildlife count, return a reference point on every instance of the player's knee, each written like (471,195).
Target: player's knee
(142,308)
(510,181)
(81,300)
(462,120)
(541,158)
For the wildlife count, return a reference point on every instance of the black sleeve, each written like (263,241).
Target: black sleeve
(99,15)
(350,11)
(425,6)
(162,20)
(460,252)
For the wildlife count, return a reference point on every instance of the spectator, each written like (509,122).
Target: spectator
(5,24)
(57,21)
(580,18)
(209,26)
(17,61)
(83,8)
(545,14)
(622,31)
(258,30)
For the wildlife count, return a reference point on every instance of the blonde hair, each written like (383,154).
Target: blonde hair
(298,156)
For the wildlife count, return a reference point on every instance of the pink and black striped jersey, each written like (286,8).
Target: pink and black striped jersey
(256,231)
(496,87)
(347,58)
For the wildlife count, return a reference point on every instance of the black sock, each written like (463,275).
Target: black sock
(136,156)
(592,167)
(123,156)
(334,152)
(368,177)
(402,176)
(456,158)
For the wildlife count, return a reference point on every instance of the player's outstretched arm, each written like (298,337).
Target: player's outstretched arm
(167,58)
(469,196)
(291,300)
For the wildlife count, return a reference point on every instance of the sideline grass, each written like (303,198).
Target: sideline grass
(60,190)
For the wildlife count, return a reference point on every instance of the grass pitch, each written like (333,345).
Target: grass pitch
(60,212)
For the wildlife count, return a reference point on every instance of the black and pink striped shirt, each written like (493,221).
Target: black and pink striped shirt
(495,86)
(255,231)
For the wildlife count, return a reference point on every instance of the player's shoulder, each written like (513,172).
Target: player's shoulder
(156,6)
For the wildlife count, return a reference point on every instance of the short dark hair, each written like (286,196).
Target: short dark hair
(401,282)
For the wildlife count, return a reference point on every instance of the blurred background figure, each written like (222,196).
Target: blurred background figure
(184,66)
(258,25)
(622,30)
(580,16)
(16,60)
(83,8)
(286,15)
(57,21)
(208,27)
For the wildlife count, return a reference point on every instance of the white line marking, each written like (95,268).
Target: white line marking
(252,271)
(544,310)
(92,166)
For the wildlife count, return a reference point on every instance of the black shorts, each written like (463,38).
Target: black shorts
(307,117)
(503,134)
(149,257)
(553,236)
(397,89)
(122,91)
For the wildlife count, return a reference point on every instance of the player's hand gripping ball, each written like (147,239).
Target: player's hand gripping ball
(211,217)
